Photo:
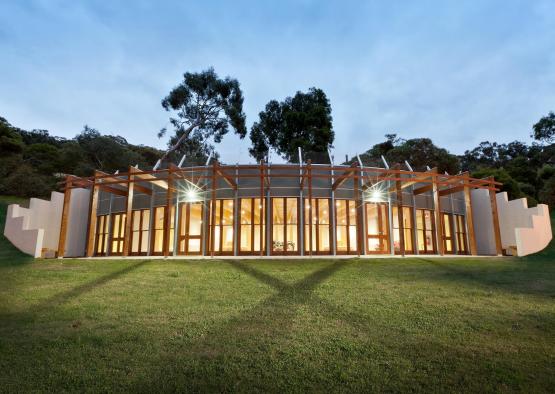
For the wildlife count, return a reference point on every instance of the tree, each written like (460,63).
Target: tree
(301,121)
(544,130)
(418,152)
(206,107)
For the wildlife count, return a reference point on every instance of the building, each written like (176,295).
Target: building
(278,209)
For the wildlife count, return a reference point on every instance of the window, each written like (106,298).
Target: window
(101,238)
(118,231)
(346,226)
(222,219)
(425,231)
(406,228)
(252,229)
(284,225)
(377,228)
(140,224)
(320,224)
(190,228)
(460,229)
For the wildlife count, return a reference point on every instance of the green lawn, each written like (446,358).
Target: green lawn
(414,324)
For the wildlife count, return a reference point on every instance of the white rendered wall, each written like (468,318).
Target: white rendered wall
(483,222)
(35,228)
(527,229)
(78,219)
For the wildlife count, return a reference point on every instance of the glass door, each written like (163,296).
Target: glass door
(252,230)
(447,222)
(222,227)
(406,227)
(377,228)
(320,224)
(140,222)
(101,236)
(425,230)
(118,231)
(460,231)
(284,225)
(190,229)
(346,227)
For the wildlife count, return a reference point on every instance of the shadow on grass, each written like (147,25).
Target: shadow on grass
(520,276)
(252,338)
(45,306)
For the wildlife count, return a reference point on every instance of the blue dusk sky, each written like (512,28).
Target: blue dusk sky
(458,72)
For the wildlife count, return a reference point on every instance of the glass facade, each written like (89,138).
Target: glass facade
(346,227)
(317,226)
(252,228)
(406,228)
(425,231)
(377,228)
(285,225)
(221,227)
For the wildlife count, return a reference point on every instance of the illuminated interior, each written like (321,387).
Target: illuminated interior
(447,233)
(425,231)
(406,228)
(140,224)
(252,228)
(377,228)
(222,227)
(284,225)
(118,231)
(346,226)
(320,225)
(190,228)
(460,228)
(101,240)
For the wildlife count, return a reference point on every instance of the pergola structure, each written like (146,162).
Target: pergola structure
(306,182)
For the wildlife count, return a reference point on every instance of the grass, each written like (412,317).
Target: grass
(414,324)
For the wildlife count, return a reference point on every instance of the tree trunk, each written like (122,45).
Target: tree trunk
(185,135)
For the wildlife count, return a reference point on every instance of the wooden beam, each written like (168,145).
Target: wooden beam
(310,208)
(113,190)
(128,214)
(495,215)
(413,181)
(145,176)
(423,189)
(451,190)
(470,221)
(65,217)
(227,178)
(343,177)
(213,210)
(438,221)
(262,200)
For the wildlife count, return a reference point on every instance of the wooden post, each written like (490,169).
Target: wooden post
(92,218)
(358,213)
(213,210)
(128,215)
(495,215)
(262,220)
(437,213)
(167,214)
(469,220)
(310,219)
(65,216)
(400,215)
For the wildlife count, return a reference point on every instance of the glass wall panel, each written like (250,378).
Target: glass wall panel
(447,233)
(460,228)
(101,237)
(158,231)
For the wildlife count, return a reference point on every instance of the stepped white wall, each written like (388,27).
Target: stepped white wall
(35,228)
(78,219)
(527,229)
(482,217)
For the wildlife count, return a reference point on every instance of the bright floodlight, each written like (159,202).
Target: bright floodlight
(375,195)
(191,195)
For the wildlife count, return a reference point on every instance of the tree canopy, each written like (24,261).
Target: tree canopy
(205,107)
(544,130)
(303,120)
